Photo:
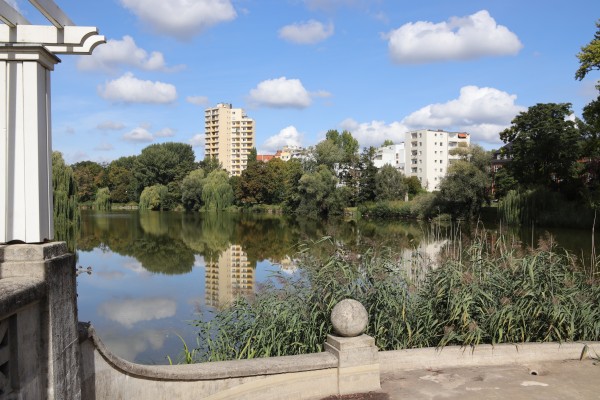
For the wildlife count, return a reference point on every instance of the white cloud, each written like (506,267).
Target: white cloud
(110,126)
(197,100)
(321,93)
(197,140)
(374,133)
(165,132)
(483,112)
(104,147)
(128,347)
(181,19)
(288,136)
(309,32)
(140,135)
(470,37)
(129,89)
(280,93)
(131,311)
(115,53)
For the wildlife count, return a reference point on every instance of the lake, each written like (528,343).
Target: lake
(155,272)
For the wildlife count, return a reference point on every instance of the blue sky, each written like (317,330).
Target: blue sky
(301,67)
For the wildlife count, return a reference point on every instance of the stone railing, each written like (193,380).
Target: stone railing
(5,383)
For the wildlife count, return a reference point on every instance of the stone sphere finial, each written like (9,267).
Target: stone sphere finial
(349,318)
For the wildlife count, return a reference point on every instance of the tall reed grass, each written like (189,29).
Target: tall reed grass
(490,290)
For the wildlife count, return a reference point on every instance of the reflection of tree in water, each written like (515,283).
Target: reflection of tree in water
(162,254)
(208,234)
(266,237)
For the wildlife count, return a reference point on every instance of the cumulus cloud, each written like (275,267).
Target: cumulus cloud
(197,100)
(374,133)
(280,93)
(483,112)
(197,140)
(128,347)
(110,126)
(181,19)
(288,136)
(139,135)
(131,311)
(129,89)
(309,32)
(465,38)
(165,132)
(115,53)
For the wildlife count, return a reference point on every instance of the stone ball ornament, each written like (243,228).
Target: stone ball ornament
(349,318)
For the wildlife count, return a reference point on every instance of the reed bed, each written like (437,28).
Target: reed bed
(489,290)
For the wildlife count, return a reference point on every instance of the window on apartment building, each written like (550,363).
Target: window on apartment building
(441,169)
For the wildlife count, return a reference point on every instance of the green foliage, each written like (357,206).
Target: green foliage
(389,184)
(153,197)
(210,164)
(589,56)
(191,190)
(90,176)
(544,146)
(163,163)
(102,200)
(263,183)
(463,190)
(413,185)
(317,193)
(487,293)
(542,207)
(121,180)
(504,182)
(66,209)
(217,193)
(368,172)
(387,142)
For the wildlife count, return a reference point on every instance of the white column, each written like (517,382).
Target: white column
(26,210)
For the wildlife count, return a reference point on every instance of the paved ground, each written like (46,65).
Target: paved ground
(567,380)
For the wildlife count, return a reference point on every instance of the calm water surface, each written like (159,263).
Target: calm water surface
(155,272)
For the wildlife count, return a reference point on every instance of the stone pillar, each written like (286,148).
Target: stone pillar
(43,308)
(358,357)
(26,211)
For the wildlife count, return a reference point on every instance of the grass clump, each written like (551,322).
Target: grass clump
(487,291)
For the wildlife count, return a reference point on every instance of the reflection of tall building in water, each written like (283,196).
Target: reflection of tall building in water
(229,277)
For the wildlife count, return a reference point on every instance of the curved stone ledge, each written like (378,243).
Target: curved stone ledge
(214,370)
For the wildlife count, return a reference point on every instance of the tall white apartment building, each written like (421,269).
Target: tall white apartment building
(230,134)
(428,154)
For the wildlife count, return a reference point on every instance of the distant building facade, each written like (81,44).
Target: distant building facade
(230,276)
(393,155)
(428,154)
(230,135)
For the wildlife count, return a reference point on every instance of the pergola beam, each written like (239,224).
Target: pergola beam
(52,12)
(10,16)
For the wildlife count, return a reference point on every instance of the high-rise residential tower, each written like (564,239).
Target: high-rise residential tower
(229,136)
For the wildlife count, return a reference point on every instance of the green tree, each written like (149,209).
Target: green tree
(317,193)
(66,208)
(263,183)
(368,171)
(413,185)
(217,193)
(328,153)
(102,200)
(164,163)
(210,164)
(153,197)
(121,180)
(545,145)
(463,190)
(389,184)
(90,176)
(503,183)
(191,190)
(387,142)
(293,172)
(590,128)
(589,56)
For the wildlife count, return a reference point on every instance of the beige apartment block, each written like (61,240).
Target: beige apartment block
(230,135)
(428,154)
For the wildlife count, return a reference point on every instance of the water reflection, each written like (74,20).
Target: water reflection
(228,277)
(155,271)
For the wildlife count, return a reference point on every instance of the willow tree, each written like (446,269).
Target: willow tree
(102,200)
(66,209)
(217,193)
